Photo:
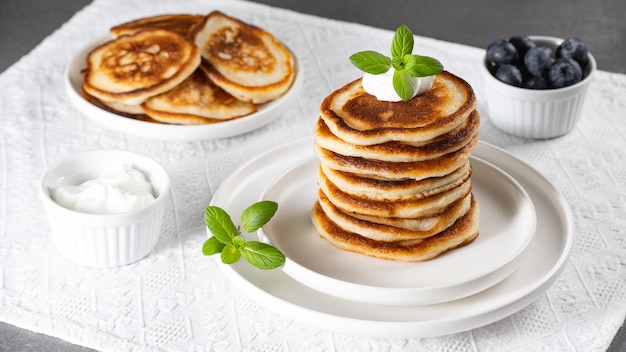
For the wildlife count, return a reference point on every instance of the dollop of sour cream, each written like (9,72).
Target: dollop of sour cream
(122,190)
(381,86)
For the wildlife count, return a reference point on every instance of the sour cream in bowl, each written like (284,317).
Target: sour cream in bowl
(122,189)
(105,208)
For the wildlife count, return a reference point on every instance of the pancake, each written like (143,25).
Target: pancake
(359,118)
(381,189)
(395,229)
(463,231)
(403,208)
(244,60)
(400,151)
(132,111)
(124,108)
(132,68)
(397,170)
(196,100)
(177,23)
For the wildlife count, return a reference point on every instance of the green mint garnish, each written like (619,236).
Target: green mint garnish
(371,62)
(404,62)
(228,241)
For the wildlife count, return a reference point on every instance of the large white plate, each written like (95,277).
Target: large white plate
(265,114)
(507,224)
(549,249)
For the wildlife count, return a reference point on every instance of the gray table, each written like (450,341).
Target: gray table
(24,23)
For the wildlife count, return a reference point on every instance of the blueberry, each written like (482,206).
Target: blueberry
(535,82)
(509,74)
(573,48)
(522,43)
(564,72)
(500,52)
(538,60)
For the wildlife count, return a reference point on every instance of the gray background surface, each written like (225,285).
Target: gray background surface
(601,24)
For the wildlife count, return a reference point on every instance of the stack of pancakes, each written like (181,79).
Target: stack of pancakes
(187,69)
(394,177)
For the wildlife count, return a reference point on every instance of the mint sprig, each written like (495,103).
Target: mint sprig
(405,63)
(228,241)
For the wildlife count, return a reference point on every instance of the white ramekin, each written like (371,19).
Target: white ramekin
(539,114)
(104,240)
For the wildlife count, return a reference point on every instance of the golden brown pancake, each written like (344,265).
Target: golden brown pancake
(196,100)
(397,170)
(381,189)
(132,68)
(389,229)
(402,208)
(126,109)
(400,151)
(244,60)
(359,118)
(132,111)
(177,23)
(462,232)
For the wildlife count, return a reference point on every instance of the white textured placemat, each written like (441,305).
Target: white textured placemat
(178,300)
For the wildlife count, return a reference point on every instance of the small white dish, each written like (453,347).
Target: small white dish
(104,240)
(537,113)
(507,225)
(548,255)
(266,112)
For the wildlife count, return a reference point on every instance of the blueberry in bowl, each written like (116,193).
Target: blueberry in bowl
(564,72)
(538,60)
(500,52)
(536,85)
(509,74)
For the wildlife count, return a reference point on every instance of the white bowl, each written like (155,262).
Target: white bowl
(104,240)
(544,113)
(266,113)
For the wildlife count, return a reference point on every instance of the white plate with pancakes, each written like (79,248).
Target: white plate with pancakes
(548,251)
(265,114)
(507,225)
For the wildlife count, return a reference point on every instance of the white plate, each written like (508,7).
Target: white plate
(265,114)
(507,224)
(549,250)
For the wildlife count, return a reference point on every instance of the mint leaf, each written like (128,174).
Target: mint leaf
(212,246)
(422,66)
(371,62)
(402,43)
(220,224)
(230,254)
(257,215)
(262,255)
(403,84)
(228,241)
